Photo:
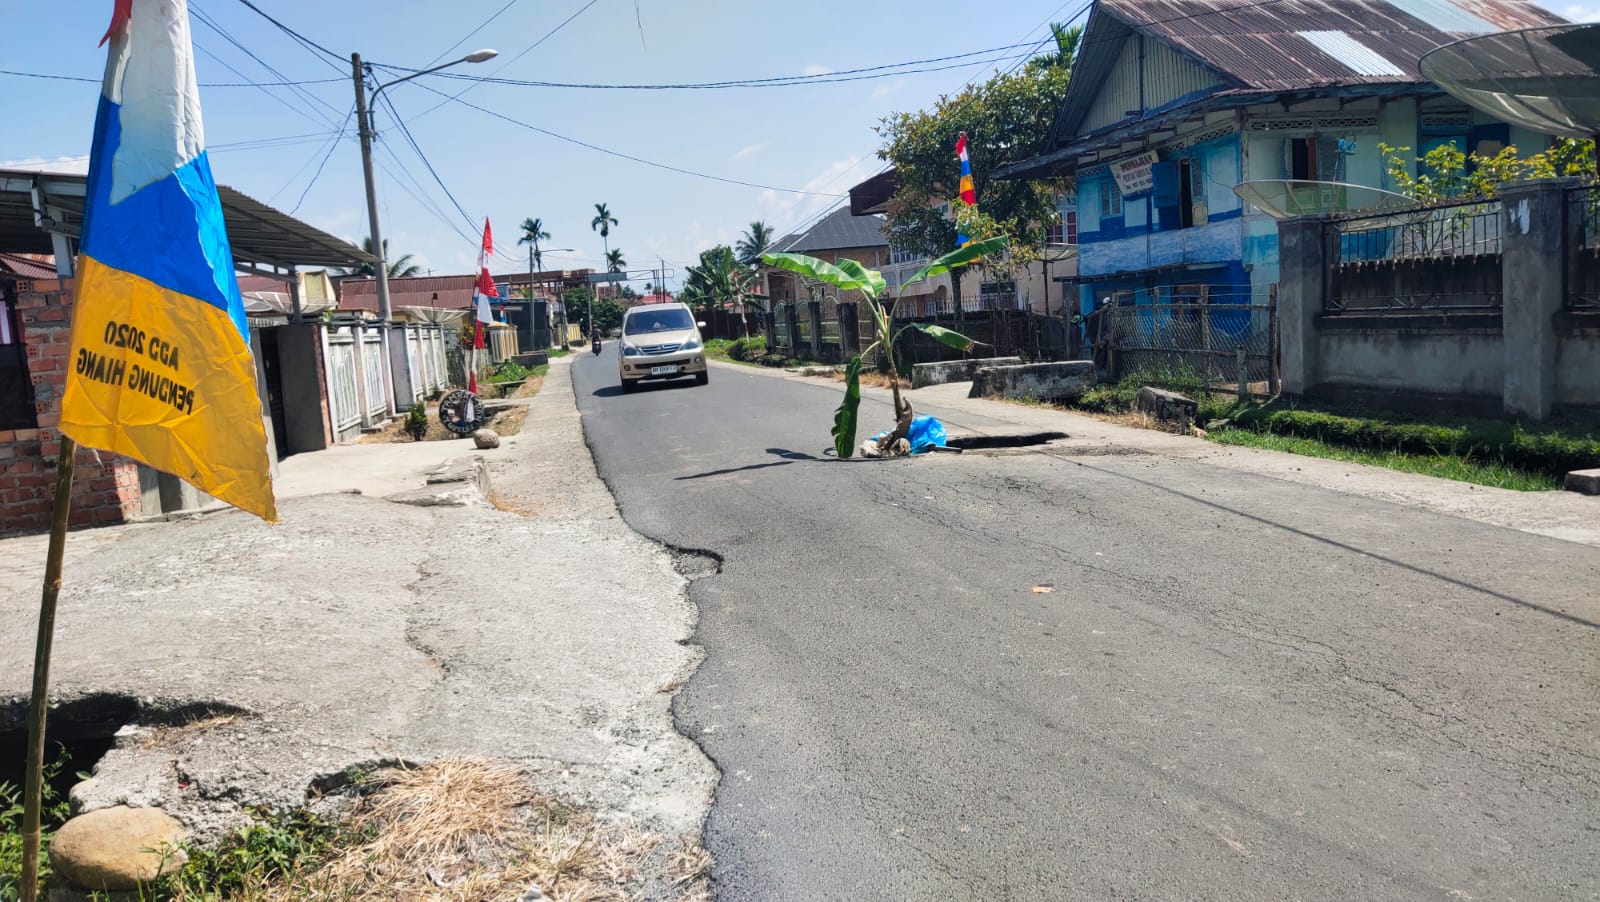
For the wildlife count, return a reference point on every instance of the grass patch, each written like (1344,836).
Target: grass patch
(752,352)
(1547,450)
(453,830)
(53,813)
(1443,466)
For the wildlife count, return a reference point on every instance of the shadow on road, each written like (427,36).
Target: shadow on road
(789,457)
(614,391)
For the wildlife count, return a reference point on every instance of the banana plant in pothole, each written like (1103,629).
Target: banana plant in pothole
(849,275)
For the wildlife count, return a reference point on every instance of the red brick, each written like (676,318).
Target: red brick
(51,315)
(25,435)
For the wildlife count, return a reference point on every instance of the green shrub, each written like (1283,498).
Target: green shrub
(509,371)
(53,813)
(753,348)
(1541,450)
(416,424)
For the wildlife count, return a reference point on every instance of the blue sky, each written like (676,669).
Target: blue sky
(816,137)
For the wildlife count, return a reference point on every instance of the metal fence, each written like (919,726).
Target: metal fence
(344,403)
(1443,257)
(1582,246)
(999,333)
(1216,346)
(372,364)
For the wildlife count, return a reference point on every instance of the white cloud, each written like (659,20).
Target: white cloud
(57,165)
(887,88)
(786,211)
(815,69)
(747,150)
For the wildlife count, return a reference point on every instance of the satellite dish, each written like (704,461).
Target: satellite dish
(1286,198)
(1544,78)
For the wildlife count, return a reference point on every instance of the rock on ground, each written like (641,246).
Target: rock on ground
(486,439)
(117,848)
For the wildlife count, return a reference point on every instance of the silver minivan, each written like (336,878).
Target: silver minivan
(660,341)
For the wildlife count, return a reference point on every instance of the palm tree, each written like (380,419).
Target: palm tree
(614,261)
(532,233)
(400,268)
(1069,40)
(602,223)
(755,241)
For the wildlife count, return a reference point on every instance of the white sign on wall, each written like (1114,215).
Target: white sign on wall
(1133,174)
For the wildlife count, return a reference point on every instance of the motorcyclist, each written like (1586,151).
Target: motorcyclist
(594,338)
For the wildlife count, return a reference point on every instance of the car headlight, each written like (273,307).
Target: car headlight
(629,350)
(690,345)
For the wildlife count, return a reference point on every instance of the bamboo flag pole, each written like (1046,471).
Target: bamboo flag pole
(38,704)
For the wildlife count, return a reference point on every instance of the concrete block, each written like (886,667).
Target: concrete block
(1586,482)
(1066,380)
(1166,405)
(531,359)
(947,371)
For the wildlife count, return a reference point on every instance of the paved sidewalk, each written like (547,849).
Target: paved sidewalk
(359,631)
(1562,515)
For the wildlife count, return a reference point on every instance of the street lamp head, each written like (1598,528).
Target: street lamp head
(481,56)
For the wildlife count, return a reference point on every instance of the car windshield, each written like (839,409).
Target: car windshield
(674,319)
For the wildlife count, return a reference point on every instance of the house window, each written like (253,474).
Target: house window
(1179,193)
(1065,229)
(1314,159)
(1110,200)
(997,295)
(898,256)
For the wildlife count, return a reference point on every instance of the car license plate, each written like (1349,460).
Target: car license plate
(663,370)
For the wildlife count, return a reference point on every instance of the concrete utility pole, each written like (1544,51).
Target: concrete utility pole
(364,129)
(381,267)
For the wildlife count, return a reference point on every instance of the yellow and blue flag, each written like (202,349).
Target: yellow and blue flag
(161,366)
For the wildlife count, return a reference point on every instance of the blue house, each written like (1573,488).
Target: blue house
(1175,102)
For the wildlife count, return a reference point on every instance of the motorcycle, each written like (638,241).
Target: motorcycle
(597,346)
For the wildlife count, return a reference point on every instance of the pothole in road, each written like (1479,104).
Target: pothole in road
(80,731)
(1003,440)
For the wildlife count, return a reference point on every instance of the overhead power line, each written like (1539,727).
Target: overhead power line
(205,84)
(525,51)
(334,59)
(888,70)
(619,154)
(468,36)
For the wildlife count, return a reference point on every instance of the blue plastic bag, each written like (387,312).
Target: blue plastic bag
(926,433)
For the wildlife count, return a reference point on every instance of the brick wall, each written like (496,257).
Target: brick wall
(105,486)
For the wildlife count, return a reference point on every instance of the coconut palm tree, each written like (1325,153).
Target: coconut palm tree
(754,242)
(399,268)
(615,262)
(1068,40)
(602,223)
(532,233)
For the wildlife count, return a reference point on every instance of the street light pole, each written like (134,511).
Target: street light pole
(364,129)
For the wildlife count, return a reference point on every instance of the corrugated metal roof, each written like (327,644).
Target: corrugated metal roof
(1259,50)
(1358,57)
(839,230)
(1258,45)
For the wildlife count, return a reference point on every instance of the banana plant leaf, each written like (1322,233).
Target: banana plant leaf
(870,280)
(948,336)
(812,268)
(959,257)
(844,419)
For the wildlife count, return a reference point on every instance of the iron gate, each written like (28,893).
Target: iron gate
(1219,345)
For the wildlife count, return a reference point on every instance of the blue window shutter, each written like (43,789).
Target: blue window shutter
(1166,183)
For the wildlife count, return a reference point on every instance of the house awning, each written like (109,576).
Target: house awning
(260,235)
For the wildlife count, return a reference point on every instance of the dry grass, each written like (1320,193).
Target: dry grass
(464,830)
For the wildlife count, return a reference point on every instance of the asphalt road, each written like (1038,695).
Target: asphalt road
(1238,687)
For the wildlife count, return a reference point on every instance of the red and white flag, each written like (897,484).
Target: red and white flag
(481,293)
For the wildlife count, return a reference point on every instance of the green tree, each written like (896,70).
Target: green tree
(720,279)
(615,262)
(1447,172)
(399,268)
(1068,40)
(1006,119)
(607,313)
(754,242)
(532,233)
(602,223)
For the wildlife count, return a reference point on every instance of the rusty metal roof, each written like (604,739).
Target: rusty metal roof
(1269,48)
(1289,45)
